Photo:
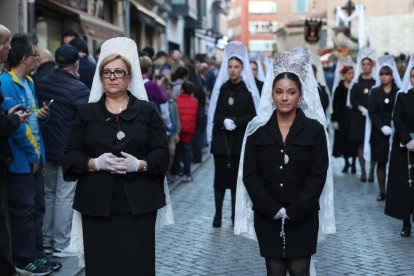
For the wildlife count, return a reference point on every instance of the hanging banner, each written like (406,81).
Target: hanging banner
(312,30)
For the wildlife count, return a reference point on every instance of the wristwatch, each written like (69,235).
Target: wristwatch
(145,167)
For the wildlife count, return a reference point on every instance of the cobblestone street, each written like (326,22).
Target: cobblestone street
(367,242)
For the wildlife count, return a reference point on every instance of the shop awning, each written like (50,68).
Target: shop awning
(92,26)
(152,16)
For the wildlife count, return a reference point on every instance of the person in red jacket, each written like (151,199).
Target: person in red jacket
(187,108)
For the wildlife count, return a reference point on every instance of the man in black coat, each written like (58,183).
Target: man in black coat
(68,95)
(9,121)
(87,66)
(44,66)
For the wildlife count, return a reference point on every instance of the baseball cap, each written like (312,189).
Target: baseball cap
(66,55)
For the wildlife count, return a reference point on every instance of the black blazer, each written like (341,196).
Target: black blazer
(380,111)
(93,134)
(242,111)
(297,185)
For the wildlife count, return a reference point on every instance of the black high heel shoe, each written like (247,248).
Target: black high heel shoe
(353,169)
(346,168)
(217,222)
(406,230)
(381,197)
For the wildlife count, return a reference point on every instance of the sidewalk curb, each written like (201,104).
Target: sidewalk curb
(194,168)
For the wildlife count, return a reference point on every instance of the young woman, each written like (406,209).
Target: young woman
(341,119)
(232,106)
(380,106)
(284,168)
(399,202)
(359,101)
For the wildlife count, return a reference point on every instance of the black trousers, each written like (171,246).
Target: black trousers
(6,264)
(26,207)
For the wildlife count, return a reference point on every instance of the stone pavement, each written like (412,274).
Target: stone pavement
(367,242)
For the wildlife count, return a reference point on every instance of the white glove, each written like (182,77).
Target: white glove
(130,162)
(386,130)
(109,162)
(410,145)
(364,111)
(335,125)
(229,124)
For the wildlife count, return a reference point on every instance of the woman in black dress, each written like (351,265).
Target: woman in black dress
(118,153)
(359,101)
(285,168)
(400,201)
(232,106)
(341,120)
(380,106)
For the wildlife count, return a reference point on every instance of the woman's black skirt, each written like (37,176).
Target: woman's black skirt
(380,149)
(301,237)
(119,245)
(225,177)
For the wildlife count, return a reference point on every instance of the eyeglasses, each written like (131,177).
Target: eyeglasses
(106,74)
(35,55)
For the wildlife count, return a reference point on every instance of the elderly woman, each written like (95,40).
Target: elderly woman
(118,152)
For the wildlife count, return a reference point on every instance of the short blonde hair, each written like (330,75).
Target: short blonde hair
(113,57)
(146,64)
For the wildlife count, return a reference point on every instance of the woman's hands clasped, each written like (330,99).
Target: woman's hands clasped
(121,165)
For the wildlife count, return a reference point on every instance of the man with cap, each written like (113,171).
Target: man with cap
(67,95)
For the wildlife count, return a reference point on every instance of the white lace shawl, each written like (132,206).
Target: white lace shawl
(298,63)
(233,49)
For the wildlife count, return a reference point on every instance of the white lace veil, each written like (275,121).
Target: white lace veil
(320,75)
(128,49)
(260,71)
(365,52)
(233,49)
(386,60)
(297,62)
(406,82)
(342,61)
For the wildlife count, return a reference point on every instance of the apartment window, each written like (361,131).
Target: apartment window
(261,45)
(178,2)
(262,7)
(301,6)
(262,26)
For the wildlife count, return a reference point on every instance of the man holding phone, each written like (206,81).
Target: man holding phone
(25,185)
(9,121)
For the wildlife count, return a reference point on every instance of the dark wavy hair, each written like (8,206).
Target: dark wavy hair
(21,46)
(179,73)
(236,59)
(288,76)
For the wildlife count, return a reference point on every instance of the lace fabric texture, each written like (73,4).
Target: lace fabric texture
(389,61)
(297,62)
(233,49)
(128,49)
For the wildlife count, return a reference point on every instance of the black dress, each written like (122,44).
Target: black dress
(380,105)
(118,211)
(295,185)
(226,145)
(341,114)
(359,96)
(400,197)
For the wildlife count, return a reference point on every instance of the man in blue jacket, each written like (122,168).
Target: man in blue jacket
(68,94)
(25,186)
(9,121)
